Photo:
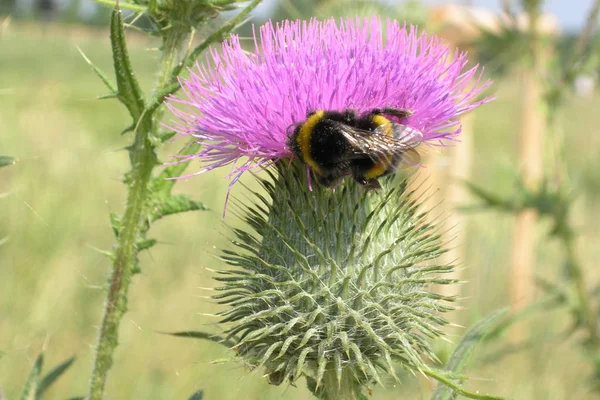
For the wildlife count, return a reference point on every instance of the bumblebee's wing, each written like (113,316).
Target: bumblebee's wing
(406,140)
(383,144)
(405,136)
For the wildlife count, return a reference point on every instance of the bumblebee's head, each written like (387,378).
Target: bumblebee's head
(292,132)
(292,129)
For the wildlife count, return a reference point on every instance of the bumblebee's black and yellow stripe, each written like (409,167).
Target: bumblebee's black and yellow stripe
(338,144)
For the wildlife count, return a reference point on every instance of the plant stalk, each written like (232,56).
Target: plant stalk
(342,389)
(143,161)
(590,317)
(531,157)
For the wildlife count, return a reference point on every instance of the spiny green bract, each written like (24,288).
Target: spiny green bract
(336,281)
(186,14)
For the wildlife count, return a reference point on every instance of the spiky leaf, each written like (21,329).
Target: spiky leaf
(145,244)
(203,336)
(52,376)
(7,160)
(31,385)
(99,73)
(448,379)
(174,205)
(115,223)
(199,395)
(128,89)
(163,183)
(465,349)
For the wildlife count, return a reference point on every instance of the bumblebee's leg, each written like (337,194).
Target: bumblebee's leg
(368,184)
(328,181)
(333,174)
(370,122)
(396,112)
(359,177)
(372,184)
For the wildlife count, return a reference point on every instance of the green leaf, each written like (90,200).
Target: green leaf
(128,89)
(464,350)
(174,205)
(145,244)
(31,385)
(163,137)
(152,6)
(444,378)
(490,199)
(115,223)
(361,396)
(199,395)
(130,128)
(164,183)
(127,6)
(558,292)
(107,96)
(7,160)
(99,72)
(202,335)
(135,268)
(108,253)
(311,384)
(52,376)
(472,338)
(544,304)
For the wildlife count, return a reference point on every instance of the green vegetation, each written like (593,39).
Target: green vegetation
(54,214)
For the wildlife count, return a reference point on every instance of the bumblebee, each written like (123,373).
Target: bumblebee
(338,144)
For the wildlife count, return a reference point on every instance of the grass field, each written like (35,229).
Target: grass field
(54,213)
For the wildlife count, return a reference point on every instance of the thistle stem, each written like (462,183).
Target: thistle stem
(143,161)
(589,316)
(173,41)
(342,389)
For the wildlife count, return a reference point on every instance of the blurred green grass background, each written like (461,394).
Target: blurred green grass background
(54,212)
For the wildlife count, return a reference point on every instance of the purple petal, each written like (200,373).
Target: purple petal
(241,104)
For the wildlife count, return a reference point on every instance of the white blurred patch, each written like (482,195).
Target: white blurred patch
(584,85)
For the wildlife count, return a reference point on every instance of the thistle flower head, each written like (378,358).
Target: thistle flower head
(335,284)
(240,104)
(185,14)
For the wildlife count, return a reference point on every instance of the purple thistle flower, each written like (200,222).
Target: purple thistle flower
(241,106)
